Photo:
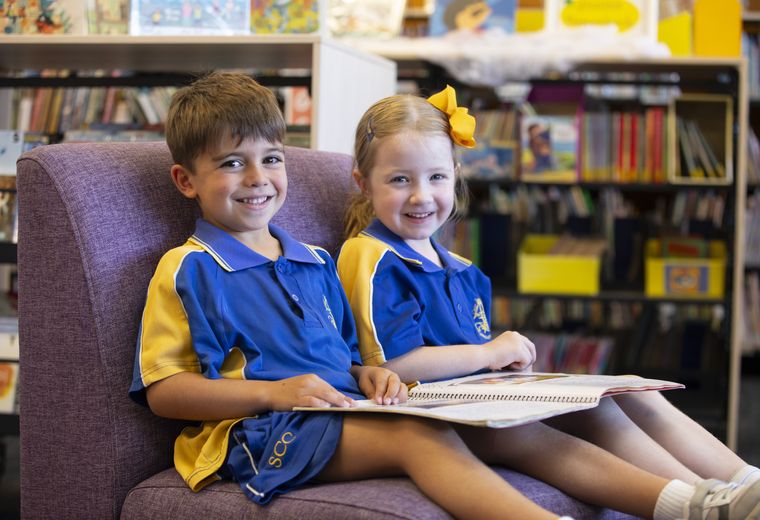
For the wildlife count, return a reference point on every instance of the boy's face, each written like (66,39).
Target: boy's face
(239,186)
(412,184)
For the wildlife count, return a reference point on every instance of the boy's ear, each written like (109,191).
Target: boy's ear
(183,180)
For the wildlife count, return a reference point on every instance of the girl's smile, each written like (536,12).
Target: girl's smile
(411,185)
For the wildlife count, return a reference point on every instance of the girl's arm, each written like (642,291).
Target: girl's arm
(508,350)
(191,396)
(380,384)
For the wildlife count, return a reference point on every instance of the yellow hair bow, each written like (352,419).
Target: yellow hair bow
(462,124)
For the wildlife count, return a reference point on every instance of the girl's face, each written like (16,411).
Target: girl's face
(239,186)
(412,184)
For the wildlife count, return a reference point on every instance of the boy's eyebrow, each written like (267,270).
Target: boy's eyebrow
(225,153)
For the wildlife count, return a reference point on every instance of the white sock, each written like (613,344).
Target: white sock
(746,476)
(673,497)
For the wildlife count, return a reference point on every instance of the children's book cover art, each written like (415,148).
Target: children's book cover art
(488,161)
(192,17)
(630,16)
(108,16)
(8,384)
(285,16)
(42,17)
(11,146)
(366,18)
(472,15)
(549,148)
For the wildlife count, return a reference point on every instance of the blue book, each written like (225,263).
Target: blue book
(472,15)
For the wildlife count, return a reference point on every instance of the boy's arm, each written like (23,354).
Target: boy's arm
(191,396)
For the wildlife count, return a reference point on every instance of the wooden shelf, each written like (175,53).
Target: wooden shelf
(338,100)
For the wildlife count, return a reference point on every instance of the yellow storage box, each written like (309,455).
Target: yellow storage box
(541,272)
(685,277)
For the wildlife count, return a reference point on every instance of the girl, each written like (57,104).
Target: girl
(423,312)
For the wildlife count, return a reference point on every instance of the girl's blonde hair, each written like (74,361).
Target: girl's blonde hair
(391,116)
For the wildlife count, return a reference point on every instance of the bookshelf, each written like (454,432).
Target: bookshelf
(751,50)
(716,382)
(337,99)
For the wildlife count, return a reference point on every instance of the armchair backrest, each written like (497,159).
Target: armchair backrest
(94,219)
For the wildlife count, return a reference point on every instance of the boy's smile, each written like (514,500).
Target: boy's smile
(412,184)
(239,186)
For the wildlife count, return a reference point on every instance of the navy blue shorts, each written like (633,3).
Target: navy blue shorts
(280,451)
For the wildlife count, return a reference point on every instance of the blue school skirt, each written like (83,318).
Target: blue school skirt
(280,451)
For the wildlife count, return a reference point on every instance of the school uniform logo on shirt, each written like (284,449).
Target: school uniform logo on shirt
(280,449)
(481,320)
(329,311)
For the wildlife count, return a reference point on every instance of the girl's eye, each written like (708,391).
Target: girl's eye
(438,177)
(399,179)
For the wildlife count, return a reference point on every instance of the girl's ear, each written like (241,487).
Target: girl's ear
(360,181)
(183,180)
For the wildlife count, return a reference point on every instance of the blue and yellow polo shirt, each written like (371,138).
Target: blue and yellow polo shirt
(216,307)
(401,300)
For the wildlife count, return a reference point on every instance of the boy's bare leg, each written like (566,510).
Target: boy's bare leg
(577,467)
(680,435)
(610,428)
(435,458)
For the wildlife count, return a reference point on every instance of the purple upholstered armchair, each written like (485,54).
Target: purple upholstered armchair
(93,221)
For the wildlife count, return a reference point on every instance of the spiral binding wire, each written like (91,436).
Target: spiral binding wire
(427,396)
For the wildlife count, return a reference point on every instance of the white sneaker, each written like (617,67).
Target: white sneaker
(717,500)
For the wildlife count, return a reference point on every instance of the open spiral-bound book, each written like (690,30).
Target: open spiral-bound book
(502,399)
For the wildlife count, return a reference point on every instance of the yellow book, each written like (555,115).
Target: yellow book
(675,32)
(717,28)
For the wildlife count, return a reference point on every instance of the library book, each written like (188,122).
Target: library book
(503,399)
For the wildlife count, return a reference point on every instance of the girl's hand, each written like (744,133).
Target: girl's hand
(511,350)
(380,384)
(306,390)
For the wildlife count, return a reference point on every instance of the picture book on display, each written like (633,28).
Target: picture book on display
(472,15)
(635,17)
(504,399)
(192,17)
(549,148)
(285,16)
(42,17)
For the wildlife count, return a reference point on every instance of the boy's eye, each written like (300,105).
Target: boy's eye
(232,163)
(273,159)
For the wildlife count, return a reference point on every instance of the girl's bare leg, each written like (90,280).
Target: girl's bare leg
(610,428)
(573,465)
(435,458)
(680,435)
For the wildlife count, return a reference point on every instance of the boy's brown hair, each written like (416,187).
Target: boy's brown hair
(218,105)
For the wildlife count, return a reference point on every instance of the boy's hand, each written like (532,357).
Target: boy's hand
(511,350)
(306,390)
(380,384)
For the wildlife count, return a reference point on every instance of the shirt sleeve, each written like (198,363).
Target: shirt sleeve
(384,300)
(166,343)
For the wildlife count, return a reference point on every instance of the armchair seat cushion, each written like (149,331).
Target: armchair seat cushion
(165,495)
